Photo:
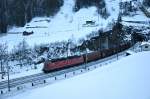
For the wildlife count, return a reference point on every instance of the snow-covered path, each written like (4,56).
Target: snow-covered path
(128,78)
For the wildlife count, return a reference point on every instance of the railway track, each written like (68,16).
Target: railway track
(42,76)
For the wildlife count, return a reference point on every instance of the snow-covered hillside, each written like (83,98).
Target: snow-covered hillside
(66,24)
(125,79)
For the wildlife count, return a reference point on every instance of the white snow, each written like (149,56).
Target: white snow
(22,72)
(128,78)
(65,25)
(140,17)
(130,52)
(145,43)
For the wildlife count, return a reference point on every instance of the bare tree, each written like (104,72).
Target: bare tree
(21,53)
(3,57)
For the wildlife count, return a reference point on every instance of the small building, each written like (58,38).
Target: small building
(25,33)
(145,46)
(90,24)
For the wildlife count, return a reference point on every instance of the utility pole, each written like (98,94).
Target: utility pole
(8,76)
(85,54)
(67,52)
(100,40)
(2,70)
(98,16)
(117,51)
(7,66)
(68,48)
(86,60)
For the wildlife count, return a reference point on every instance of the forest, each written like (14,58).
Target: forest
(19,12)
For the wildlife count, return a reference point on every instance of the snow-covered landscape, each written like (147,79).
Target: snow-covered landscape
(69,24)
(77,29)
(66,23)
(127,78)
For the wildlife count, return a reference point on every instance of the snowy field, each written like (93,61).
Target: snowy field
(127,78)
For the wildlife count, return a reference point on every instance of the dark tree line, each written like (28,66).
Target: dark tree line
(19,12)
(86,3)
(100,4)
(127,8)
(146,3)
(117,35)
(3,16)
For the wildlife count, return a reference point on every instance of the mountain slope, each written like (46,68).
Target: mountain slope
(67,24)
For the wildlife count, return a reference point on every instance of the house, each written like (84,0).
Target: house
(145,46)
(25,33)
(90,24)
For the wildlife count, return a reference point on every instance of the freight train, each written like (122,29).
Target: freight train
(63,63)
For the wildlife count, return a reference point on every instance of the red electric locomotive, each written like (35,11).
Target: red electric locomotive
(58,64)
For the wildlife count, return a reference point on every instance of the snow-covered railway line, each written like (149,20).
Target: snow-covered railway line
(4,84)
(42,78)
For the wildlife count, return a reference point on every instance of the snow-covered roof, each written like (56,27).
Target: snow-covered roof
(145,43)
(130,52)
